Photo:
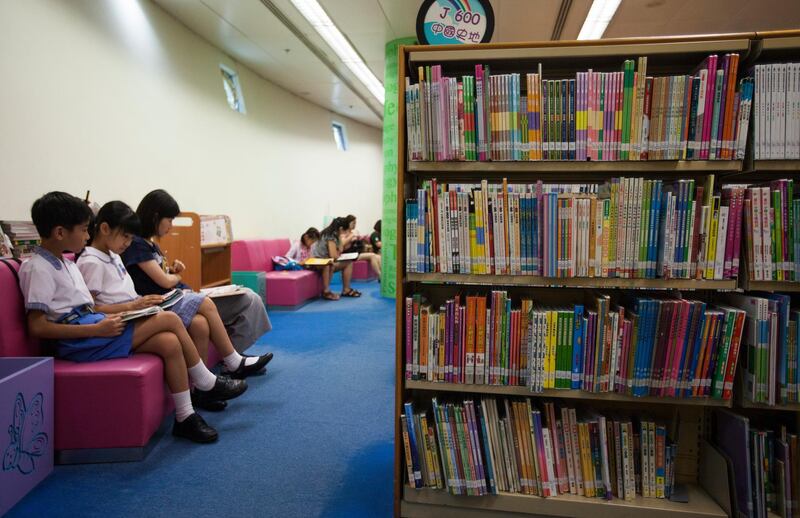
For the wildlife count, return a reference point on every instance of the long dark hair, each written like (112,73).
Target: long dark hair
(117,215)
(155,206)
(349,219)
(335,225)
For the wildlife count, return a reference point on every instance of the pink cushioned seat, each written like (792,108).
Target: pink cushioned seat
(283,288)
(363,272)
(113,405)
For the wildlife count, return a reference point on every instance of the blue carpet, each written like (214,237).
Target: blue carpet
(311,438)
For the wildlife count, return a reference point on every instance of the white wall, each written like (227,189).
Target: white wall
(120,98)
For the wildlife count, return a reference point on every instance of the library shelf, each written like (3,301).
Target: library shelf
(571,282)
(776,165)
(779,407)
(628,167)
(432,502)
(560,394)
(772,286)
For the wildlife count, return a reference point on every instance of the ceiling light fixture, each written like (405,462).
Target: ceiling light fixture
(600,15)
(319,19)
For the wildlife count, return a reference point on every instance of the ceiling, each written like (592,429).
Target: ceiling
(268,36)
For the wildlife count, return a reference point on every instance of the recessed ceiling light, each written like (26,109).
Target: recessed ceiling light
(600,15)
(321,22)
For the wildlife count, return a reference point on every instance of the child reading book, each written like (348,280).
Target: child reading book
(244,316)
(351,237)
(330,246)
(113,291)
(60,308)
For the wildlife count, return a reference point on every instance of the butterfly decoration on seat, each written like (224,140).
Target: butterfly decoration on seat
(28,442)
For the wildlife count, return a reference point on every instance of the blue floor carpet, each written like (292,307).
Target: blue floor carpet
(311,438)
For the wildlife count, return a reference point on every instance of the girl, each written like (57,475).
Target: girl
(243,316)
(351,236)
(60,308)
(330,246)
(113,292)
(301,250)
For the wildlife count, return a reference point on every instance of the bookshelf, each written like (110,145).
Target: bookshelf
(671,55)
(561,394)
(570,282)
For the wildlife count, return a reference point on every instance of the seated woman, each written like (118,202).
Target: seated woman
(244,316)
(329,246)
(351,238)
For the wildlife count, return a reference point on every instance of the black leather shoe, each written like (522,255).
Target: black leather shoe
(205,404)
(195,429)
(244,371)
(224,389)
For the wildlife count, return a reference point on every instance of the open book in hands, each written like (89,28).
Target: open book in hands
(171,298)
(350,256)
(140,313)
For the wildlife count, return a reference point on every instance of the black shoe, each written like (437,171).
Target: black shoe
(224,389)
(244,371)
(206,404)
(195,429)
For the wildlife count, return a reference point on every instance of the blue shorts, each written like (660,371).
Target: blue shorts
(97,347)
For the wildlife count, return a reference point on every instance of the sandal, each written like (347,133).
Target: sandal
(329,295)
(351,293)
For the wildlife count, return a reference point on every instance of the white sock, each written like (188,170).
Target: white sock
(183,405)
(202,378)
(234,359)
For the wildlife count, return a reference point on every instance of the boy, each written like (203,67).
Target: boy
(60,308)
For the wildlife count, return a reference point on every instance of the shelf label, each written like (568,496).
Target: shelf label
(447,22)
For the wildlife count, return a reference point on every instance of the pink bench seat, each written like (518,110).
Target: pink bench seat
(283,288)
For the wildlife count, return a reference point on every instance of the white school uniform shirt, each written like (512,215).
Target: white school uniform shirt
(106,277)
(52,285)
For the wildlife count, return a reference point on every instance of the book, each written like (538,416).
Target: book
(127,316)
(349,256)
(171,298)
(316,261)
(623,115)
(228,290)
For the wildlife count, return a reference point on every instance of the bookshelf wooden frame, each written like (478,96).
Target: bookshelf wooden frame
(561,56)
(570,282)
(516,391)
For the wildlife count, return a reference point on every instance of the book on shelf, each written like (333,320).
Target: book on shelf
(599,116)
(22,238)
(776,117)
(772,245)
(770,360)
(658,346)
(488,446)
(766,464)
(623,228)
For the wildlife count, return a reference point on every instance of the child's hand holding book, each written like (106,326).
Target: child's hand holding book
(147,301)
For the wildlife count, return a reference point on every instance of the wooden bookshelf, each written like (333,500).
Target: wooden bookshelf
(776,165)
(771,286)
(436,503)
(562,394)
(780,407)
(666,56)
(573,282)
(559,166)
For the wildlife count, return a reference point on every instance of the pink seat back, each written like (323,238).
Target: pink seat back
(14,339)
(255,255)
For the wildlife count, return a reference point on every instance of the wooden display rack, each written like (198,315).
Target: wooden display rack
(560,58)
(206,266)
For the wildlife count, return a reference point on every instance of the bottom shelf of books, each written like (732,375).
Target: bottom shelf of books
(431,502)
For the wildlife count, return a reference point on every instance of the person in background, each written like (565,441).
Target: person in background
(329,246)
(61,309)
(375,238)
(244,316)
(301,250)
(351,241)
(112,289)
